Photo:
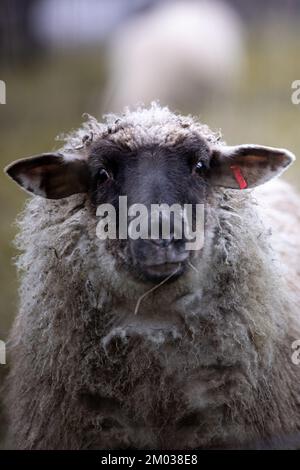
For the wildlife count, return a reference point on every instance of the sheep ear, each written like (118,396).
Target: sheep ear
(247,166)
(49,175)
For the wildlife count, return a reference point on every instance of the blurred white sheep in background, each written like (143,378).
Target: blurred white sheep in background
(179,52)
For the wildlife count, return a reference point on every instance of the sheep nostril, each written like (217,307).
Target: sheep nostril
(162,242)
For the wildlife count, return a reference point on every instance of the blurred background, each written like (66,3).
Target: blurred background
(230,62)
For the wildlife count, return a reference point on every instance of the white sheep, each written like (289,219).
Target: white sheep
(206,360)
(181,53)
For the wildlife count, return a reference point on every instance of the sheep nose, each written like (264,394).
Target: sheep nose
(162,242)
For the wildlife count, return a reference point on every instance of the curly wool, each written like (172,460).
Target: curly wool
(155,125)
(207,360)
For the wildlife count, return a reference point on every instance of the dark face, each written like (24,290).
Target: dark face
(152,175)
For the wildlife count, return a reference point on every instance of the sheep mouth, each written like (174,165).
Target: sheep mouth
(163,272)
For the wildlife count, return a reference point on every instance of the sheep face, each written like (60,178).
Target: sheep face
(186,170)
(149,176)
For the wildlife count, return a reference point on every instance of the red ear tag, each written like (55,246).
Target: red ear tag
(239,176)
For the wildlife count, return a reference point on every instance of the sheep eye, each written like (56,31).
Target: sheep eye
(199,168)
(102,176)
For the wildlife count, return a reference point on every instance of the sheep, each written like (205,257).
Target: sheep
(182,53)
(206,360)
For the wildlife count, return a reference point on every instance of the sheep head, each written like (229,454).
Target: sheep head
(150,160)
